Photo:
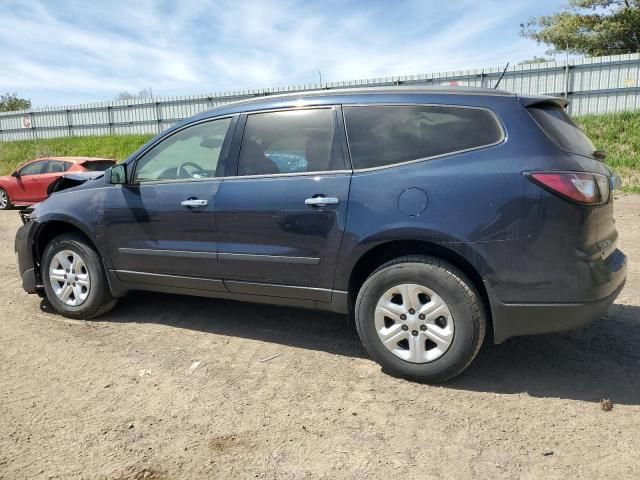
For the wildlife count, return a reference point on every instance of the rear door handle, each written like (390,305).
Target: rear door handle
(321,201)
(193,202)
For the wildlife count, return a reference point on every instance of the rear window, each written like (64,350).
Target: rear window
(98,165)
(558,125)
(385,135)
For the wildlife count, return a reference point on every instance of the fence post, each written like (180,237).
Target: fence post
(69,125)
(110,119)
(159,116)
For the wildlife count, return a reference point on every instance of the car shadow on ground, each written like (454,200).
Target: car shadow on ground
(598,361)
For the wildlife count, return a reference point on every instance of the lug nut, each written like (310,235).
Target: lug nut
(421,316)
(412,311)
(414,333)
(405,328)
(423,327)
(403,317)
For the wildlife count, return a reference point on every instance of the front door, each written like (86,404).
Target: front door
(161,226)
(25,186)
(282,216)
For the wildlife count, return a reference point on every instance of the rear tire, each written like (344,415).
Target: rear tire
(74,278)
(5,201)
(420,318)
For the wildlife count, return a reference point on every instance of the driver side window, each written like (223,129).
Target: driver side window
(192,153)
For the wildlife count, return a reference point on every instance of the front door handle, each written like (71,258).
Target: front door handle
(321,201)
(193,202)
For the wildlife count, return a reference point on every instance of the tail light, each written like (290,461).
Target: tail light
(578,187)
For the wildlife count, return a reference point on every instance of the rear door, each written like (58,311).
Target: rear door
(281,214)
(53,170)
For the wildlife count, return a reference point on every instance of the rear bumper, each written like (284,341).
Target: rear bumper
(512,320)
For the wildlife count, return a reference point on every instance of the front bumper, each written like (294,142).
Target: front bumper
(27,267)
(512,320)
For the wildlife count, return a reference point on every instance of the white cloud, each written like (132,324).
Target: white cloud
(72,50)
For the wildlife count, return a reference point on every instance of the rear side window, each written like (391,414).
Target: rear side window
(384,135)
(294,141)
(558,125)
(98,165)
(56,166)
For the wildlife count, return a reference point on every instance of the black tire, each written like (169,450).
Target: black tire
(99,299)
(6,205)
(460,297)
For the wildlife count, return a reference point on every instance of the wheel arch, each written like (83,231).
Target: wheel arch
(49,228)
(384,252)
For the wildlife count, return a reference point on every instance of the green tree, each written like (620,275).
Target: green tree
(589,27)
(9,102)
(535,59)
(143,94)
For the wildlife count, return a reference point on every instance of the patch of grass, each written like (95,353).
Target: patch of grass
(118,147)
(619,135)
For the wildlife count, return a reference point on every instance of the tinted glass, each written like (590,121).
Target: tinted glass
(55,166)
(289,142)
(33,168)
(561,129)
(384,135)
(192,153)
(98,165)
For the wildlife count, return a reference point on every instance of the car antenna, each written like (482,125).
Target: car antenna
(501,76)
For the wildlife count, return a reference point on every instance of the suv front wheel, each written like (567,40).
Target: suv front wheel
(74,278)
(420,318)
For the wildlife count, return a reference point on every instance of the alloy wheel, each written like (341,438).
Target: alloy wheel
(69,278)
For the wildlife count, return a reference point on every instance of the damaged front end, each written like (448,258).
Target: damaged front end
(70,180)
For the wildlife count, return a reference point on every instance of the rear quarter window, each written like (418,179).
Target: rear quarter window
(557,124)
(385,135)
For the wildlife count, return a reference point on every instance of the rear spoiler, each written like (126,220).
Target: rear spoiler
(541,100)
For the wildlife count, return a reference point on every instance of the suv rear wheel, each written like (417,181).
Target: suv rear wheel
(420,318)
(74,278)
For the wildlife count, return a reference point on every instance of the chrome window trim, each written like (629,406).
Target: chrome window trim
(495,116)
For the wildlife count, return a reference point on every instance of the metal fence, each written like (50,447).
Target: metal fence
(593,85)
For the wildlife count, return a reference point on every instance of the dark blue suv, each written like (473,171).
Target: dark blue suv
(431,216)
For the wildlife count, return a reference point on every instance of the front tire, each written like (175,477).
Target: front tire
(5,201)
(420,318)
(74,278)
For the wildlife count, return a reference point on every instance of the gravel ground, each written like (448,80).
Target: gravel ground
(285,393)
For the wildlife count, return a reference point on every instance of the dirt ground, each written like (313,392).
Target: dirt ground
(114,398)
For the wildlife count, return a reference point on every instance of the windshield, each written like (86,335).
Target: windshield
(560,128)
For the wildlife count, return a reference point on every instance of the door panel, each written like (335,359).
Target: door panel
(267,234)
(148,229)
(27,184)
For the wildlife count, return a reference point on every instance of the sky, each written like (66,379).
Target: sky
(63,52)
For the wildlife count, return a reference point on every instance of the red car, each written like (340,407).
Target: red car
(28,184)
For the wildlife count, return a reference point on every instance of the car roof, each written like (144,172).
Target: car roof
(75,159)
(353,96)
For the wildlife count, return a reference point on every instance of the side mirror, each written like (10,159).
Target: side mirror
(118,174)
(16,174)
